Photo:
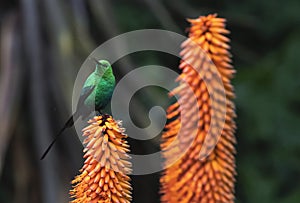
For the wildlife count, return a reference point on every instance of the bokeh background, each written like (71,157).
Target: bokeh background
(43,44)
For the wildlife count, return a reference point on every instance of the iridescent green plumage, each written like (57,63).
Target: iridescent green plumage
(95,95)
(102,81)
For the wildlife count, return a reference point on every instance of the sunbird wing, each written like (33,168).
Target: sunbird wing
(85,92)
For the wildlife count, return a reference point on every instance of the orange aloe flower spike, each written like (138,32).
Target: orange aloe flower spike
(210,179)
(103,177)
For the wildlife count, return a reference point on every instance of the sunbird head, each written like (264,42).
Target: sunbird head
(103,67)
(103,64)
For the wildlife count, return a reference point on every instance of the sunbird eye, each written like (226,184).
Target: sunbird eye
(104,65)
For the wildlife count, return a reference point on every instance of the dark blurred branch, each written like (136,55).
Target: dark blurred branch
(21,160)
(61,44)
(107,23)
(81,23)
(186,10)
(41,133)
(10,82)
(163,15)
(58,26)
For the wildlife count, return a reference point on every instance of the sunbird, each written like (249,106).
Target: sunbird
(95,95)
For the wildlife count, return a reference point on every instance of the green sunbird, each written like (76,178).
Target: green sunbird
(95,95)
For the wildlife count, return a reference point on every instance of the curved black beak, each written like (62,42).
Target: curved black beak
(95,60)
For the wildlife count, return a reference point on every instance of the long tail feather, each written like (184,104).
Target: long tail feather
(68,124)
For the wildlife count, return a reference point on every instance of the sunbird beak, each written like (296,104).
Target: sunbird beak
(102,63)
(96,61)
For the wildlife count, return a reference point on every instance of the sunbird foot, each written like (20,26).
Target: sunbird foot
(105,116)
(99,113)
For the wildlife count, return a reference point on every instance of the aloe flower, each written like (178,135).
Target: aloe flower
(211,179)
(103,177)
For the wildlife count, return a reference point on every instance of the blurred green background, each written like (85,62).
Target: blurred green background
(43,44)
